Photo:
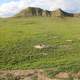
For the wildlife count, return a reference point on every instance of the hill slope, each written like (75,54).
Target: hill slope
(58,37)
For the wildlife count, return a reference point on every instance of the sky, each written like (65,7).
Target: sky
(9,8)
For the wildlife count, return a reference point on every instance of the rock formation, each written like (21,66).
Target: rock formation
(61,13)
(34,11)
(24,13)
(46,13)
(30,11)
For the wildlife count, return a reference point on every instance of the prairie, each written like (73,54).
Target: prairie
(61,37)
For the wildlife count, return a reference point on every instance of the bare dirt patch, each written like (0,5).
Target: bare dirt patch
(62,75)
(37,74)
(40,46)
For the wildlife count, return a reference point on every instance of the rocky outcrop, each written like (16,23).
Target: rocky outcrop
(30,11)
(61,13)
(34,11)
(24,13)
(46,13)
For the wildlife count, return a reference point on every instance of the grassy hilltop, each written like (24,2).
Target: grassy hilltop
(18,36)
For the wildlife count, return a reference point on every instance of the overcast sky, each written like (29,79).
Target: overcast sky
(11,7)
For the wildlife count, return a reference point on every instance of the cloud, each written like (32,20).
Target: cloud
(14,6)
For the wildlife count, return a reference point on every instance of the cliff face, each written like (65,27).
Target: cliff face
(34,11)
(46,13)
(30,11)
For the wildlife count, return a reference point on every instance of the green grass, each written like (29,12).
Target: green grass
(19,35)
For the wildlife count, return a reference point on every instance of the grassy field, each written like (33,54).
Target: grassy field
(18,36)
